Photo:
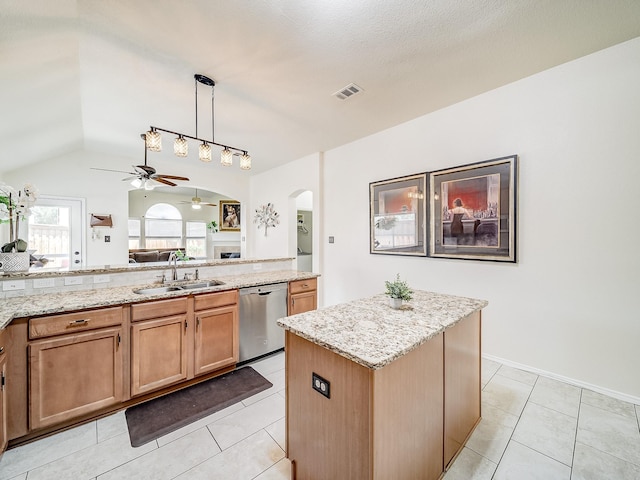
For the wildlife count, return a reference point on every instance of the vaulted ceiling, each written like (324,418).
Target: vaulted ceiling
(92,75)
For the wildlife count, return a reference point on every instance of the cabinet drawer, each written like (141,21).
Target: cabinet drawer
(74,322)
(158,308)
(214,300)
(303,285)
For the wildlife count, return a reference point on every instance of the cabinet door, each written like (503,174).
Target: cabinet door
(216,339)
(3,403)
(302,302)
(158,353)
(74,375)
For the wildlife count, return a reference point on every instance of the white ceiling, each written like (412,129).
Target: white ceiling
(93,75)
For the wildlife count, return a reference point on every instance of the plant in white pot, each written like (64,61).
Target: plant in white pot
(398,291)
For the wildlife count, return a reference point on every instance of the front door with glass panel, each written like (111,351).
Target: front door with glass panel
(55,232)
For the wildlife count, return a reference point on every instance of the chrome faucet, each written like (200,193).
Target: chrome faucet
(174,269)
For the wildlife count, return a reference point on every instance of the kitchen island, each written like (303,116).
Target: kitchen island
(378,393)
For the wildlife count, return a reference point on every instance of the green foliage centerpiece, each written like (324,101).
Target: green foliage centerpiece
(399,291)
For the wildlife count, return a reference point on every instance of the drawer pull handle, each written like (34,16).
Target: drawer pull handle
(304,285)
(78,323)
(1,350)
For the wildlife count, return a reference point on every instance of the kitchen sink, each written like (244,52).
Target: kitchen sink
(209,283)
(154,290)
(175,288)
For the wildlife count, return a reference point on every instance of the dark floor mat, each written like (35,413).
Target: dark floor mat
(160,416)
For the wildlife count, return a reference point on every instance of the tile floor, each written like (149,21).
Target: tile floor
(533,427)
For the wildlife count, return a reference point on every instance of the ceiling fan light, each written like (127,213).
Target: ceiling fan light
(153,141)
(181,147)
(226,157)
(196,206)
(245,161)
(136,183)
(148,185)
(205,152)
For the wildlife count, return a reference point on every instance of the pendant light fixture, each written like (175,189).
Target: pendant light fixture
(181,147)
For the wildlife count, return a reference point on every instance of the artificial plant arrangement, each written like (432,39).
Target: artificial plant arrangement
(213,226)
(15,205)
(398,289)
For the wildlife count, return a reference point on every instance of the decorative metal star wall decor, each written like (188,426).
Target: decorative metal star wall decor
(266,216)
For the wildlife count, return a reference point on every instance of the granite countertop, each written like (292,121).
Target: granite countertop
(371,333)
(33,305)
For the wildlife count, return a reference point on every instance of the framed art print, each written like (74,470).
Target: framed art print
(472,211)
(398,216)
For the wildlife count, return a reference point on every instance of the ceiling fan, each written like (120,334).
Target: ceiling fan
(196,202)
(145,175)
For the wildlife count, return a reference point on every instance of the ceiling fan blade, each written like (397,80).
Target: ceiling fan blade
(147,170)
(108,170)
(210,204)
(131,178)
(172,177)
(162,180)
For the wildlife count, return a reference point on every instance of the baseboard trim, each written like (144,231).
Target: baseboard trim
(605,391)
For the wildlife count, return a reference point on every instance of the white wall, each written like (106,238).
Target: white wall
(568,307)
(105,192)
(280,186)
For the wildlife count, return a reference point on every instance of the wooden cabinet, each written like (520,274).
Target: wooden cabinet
(302,296)
(461,383)
(4,438)
(71,375)
(175,340)
(158,344)
(216,331)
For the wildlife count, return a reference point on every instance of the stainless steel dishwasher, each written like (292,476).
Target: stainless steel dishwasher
(260,307)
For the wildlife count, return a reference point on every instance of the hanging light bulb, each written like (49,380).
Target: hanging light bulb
(181,147)
(205,152)
(153,140)
(148,184)
(196,206)
(245,161)
(226,157)
(136,183)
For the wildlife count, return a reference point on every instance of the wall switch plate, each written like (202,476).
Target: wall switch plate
(331,239)
(13,285)
(107,238)
(101,279)
(320,385)
(44,282)
(73,280)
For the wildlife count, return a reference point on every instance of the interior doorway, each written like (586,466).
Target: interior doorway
(304,225)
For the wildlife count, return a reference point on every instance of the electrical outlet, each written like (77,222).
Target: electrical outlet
(44,282)
(320,385)
(107,238)
(73,280)
(13,285)
(101,279)
(331,239)
(257,266)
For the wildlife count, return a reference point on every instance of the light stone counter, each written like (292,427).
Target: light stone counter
(52,303)
(371,333)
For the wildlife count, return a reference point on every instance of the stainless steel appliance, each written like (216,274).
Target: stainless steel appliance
(260,307)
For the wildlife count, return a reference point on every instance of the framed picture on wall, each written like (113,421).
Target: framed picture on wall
(472,211)
(398,216)
(229,216)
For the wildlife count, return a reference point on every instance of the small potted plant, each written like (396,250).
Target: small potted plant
(212,226)
(398,291)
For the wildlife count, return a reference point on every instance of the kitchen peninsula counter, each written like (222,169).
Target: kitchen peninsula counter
(398,390)
(43,304)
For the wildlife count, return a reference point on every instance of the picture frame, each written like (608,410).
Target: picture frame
(229,220)
(398,216)
(473,211)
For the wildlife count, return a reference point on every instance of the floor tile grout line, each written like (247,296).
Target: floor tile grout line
(575,437)
(517,422)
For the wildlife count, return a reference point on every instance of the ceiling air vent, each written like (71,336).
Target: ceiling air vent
(348,91)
